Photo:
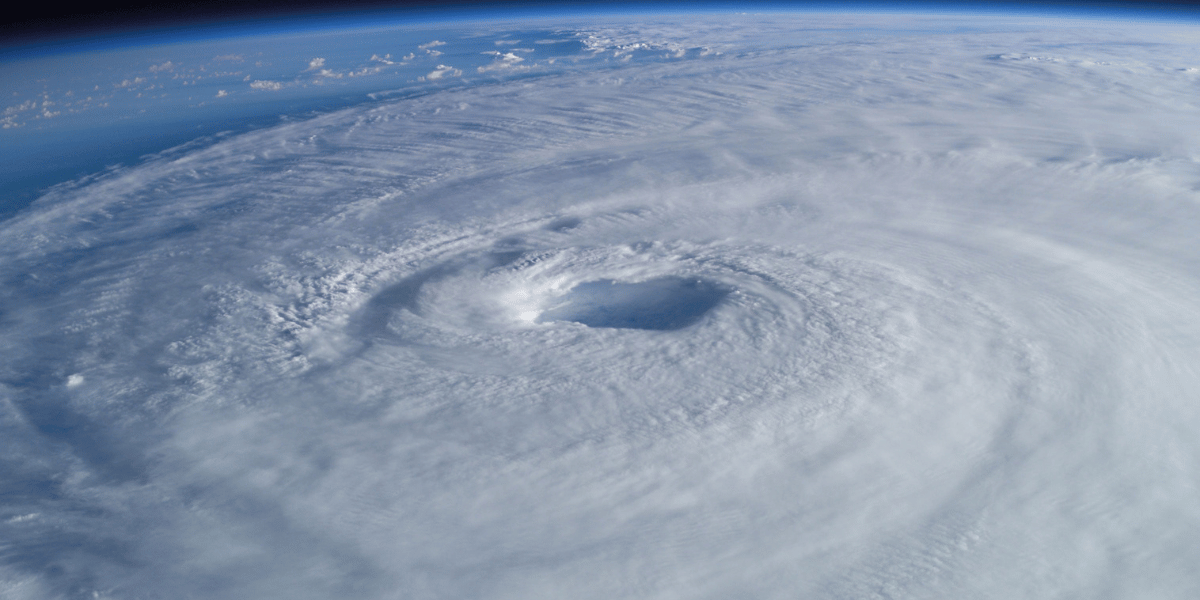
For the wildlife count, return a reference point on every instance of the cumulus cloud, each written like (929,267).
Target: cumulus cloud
(504,61)
(440,72)
(167,66)
(429,48)
(315,64)
(266,85)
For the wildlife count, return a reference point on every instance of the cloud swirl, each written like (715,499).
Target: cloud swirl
(887,314)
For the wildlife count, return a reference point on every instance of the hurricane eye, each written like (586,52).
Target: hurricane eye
(663,304)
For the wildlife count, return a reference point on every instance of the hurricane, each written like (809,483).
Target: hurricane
(817,306)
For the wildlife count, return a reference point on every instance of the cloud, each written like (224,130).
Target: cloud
(429,48)
(441,72)
(504,61)
(809,320)
(167,66)
(266,85)
(24,106)
(222,93)
(364,71)
(315,64)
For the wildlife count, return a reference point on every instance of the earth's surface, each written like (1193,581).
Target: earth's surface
(682,306)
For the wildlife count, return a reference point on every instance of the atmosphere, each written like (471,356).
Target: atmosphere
(844,301)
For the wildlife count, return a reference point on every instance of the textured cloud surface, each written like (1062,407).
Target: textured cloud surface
(820,310)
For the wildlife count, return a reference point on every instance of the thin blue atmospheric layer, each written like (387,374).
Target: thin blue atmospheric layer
(663,304)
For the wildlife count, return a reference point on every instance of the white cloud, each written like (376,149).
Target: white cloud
(315,64)
(504,61)
(933,292)
(222,93)
(440,72)
(364,71)
(167,66)
(266,85)
(429,48)
(24,106)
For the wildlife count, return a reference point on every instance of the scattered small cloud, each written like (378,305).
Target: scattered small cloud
(26,105)
(128,83)
(231,57)
(315,64)
(385,59)
(365,71)
(504,61)
(222,93)
(167,66)
(75,380)
(409,56)
(429,48)
(266,85)
(440,72)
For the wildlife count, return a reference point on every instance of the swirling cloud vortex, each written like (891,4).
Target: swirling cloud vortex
(878,315)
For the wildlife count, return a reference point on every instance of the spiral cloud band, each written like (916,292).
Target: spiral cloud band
(827,312)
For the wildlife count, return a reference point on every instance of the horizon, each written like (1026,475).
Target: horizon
(139,24)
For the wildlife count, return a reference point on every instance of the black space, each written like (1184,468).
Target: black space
(44,22)
(49,21)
